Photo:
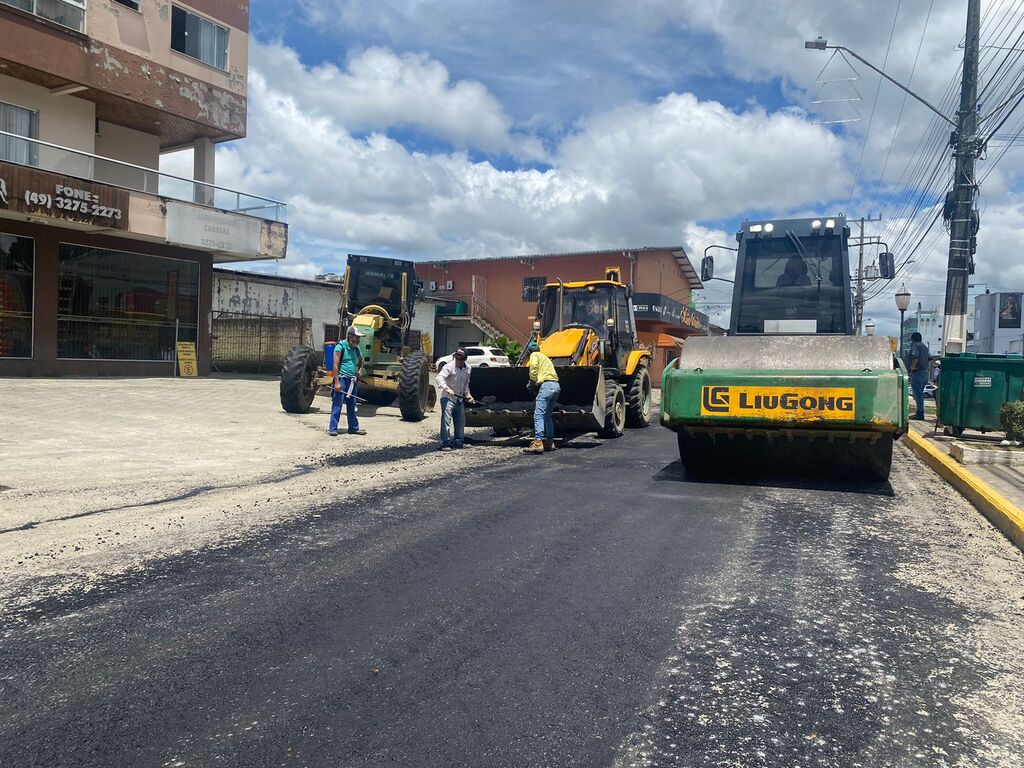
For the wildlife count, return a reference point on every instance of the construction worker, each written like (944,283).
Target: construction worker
(453,382)
(545,380)
(348,370)
(917,365)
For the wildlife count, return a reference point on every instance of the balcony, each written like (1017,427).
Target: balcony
(72,188)
(45,156)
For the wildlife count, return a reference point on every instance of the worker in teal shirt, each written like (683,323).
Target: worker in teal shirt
(348,369)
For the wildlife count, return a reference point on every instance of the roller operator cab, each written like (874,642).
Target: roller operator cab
(377,298)
(588,330)
(791,389)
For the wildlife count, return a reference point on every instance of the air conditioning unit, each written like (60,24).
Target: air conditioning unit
(450,285)
(432,285)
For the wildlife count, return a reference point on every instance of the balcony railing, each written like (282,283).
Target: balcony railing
(118,173)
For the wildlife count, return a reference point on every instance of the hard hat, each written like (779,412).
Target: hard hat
(353,331)
(460,353)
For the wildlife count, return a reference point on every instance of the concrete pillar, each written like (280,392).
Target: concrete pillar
(203,169)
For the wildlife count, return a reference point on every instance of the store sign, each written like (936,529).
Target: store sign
(654,306)
(211,230)
(188,366)
(41,193)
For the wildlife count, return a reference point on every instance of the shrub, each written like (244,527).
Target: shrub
(1012,417)
(512,349)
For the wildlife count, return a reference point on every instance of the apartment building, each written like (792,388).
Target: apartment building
(105,261)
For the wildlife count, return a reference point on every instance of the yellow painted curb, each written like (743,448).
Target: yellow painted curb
(1003,514)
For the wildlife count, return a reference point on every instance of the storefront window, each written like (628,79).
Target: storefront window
(124,306)
(17,260)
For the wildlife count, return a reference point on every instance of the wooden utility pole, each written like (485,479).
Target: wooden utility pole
(959,207)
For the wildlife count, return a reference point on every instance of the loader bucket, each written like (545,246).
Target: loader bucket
(789,404)
(504,402)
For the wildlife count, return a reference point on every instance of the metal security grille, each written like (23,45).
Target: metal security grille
(255,343)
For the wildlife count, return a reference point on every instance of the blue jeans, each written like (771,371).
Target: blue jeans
(340,398)
(543,424)
(917,381)
(453,421)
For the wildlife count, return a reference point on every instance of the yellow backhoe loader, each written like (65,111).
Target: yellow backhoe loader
(588,330)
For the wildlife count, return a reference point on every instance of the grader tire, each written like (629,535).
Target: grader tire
(414,387)
(297,377)
(638,399)
(615,411)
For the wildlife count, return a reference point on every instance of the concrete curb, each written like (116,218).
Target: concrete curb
(1004,515)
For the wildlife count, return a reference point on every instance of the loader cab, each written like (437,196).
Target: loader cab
(604,307)
(793,278)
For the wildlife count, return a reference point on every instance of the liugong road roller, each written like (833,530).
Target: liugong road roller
(791,388)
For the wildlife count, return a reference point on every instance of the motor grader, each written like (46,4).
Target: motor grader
(588,330)
(377,297)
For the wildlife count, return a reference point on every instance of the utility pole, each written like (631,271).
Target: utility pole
(959,208)
(858,299)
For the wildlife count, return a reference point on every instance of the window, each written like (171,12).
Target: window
(331,333)
(17,260)
(124,306)
(23,122)
(531,288)
(67,13)
(199,38)
(130,3)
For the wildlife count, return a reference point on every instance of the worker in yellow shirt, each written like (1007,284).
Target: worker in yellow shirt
(545,380)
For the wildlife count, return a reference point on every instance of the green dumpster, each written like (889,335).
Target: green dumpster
(973,387)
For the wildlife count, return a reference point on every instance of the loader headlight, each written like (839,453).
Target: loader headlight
(830,224)
(769,227)
(536,325)
(755,228)
(816,224)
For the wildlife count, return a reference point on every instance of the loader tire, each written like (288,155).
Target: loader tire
(414,387)
(615,411)
(638,399)
(297,379)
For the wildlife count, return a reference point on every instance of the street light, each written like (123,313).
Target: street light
(869,327)
(902,304)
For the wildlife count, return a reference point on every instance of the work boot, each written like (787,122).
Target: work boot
(549,445)
(537,446)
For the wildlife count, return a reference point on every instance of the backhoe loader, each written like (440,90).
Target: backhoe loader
(588,330)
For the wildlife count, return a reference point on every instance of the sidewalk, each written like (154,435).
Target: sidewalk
(989,476)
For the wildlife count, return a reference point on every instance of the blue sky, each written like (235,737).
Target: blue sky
(478,127)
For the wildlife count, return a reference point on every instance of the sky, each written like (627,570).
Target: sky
(472,128)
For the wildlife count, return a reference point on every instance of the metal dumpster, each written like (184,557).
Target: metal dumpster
(973,387)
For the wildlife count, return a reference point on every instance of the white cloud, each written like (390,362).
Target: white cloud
(379,90)
(638,174)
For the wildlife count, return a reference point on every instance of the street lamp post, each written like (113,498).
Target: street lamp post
(869,327)
(902,304)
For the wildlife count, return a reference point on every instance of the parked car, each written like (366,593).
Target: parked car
(479,357)
(930,389)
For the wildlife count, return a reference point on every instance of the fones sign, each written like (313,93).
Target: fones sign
(780,403)
(40,193)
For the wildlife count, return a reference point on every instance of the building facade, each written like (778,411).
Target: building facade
(998,326)
(483,298)
(105,261)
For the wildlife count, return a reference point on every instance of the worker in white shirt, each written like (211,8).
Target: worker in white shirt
(453,383)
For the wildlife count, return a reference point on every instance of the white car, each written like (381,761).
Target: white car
(479,357)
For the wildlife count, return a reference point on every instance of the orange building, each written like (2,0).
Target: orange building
(482,298)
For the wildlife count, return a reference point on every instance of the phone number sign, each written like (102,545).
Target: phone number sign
(41,193)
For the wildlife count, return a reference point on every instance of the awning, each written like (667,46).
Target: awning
(667,341)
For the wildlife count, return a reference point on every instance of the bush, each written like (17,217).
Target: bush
(1012,417)
(512,349)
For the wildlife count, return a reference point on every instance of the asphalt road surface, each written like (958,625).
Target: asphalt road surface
(594,607)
